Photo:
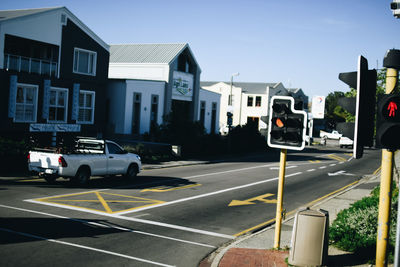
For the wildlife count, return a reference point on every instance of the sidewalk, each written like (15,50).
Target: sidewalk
(255,249)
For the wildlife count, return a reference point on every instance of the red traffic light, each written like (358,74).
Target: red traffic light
(388,107)
(392,107)
(388,123)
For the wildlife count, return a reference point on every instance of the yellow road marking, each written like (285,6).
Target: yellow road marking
(336,157)
(377,170)
(250,200)
(166,189)
(293,211)
(314,161)
(103,202)
(101,198)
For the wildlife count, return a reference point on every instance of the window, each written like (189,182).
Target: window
(137,100)
(153,112)
(114,149)
(26,103)
(249,101)
(258,101)
(202,112)
(85,62)
(213,117)
(86,107)
(58,105)
(231,100)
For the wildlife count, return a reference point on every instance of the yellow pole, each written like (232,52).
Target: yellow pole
(385,194)
(279,204)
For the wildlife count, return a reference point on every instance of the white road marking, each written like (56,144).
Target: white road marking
(108,226)
(287,167)
(84,247)
(342,172)
(311,170)
(206,194)
(322,167)
(333,164)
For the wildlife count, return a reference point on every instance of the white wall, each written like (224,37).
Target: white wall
(147,89)
(154,72)
(45,27)
(225,90)
(254,111)
(209,97)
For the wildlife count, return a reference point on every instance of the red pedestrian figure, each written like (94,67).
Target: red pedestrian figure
(392,107)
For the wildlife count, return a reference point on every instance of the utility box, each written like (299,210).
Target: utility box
(309,244)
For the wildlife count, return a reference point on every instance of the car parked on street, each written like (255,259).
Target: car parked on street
(345,142)
(89,157)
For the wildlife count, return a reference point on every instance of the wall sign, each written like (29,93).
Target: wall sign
(182,86)
(50,127)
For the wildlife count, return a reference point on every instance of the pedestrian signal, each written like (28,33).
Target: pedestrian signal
(388,126)
(287,126)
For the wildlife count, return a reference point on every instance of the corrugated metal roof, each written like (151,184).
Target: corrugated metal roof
(11,14)
(145,53)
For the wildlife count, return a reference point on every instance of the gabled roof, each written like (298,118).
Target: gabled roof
(12,14)
(249,88)
(8,15)
(146,53)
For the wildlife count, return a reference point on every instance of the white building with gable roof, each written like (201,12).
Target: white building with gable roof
(149,81)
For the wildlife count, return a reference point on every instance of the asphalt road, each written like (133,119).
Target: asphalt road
(166,217)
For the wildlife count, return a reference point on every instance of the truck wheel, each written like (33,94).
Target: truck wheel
(132,171)
(82,176)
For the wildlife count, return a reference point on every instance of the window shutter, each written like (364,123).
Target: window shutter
(75,101)
(13,96)
(46,99)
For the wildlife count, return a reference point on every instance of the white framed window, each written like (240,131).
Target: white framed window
(86,107)
(26,103)
(85,61)
(58,105)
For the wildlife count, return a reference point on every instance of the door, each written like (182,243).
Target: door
(116,161)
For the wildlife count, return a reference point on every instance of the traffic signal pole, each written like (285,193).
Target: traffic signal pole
(279,204)
(385,188)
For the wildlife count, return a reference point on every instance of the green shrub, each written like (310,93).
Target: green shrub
(355,228)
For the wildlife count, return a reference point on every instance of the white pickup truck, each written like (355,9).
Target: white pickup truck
(333,135)
(89,157)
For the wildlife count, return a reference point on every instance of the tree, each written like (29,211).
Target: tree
(333,112)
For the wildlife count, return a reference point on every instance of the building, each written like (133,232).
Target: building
(149,81)
(53,70)
(250,101)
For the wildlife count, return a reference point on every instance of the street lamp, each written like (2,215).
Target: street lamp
(230,96)
(229,113)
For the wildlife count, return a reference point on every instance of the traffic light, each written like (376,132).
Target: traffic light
(388,126)
(287,126)
(364,81)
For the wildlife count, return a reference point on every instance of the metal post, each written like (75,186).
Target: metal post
(385,195)
(279,204)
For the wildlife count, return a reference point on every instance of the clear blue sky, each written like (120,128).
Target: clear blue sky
(303,44)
